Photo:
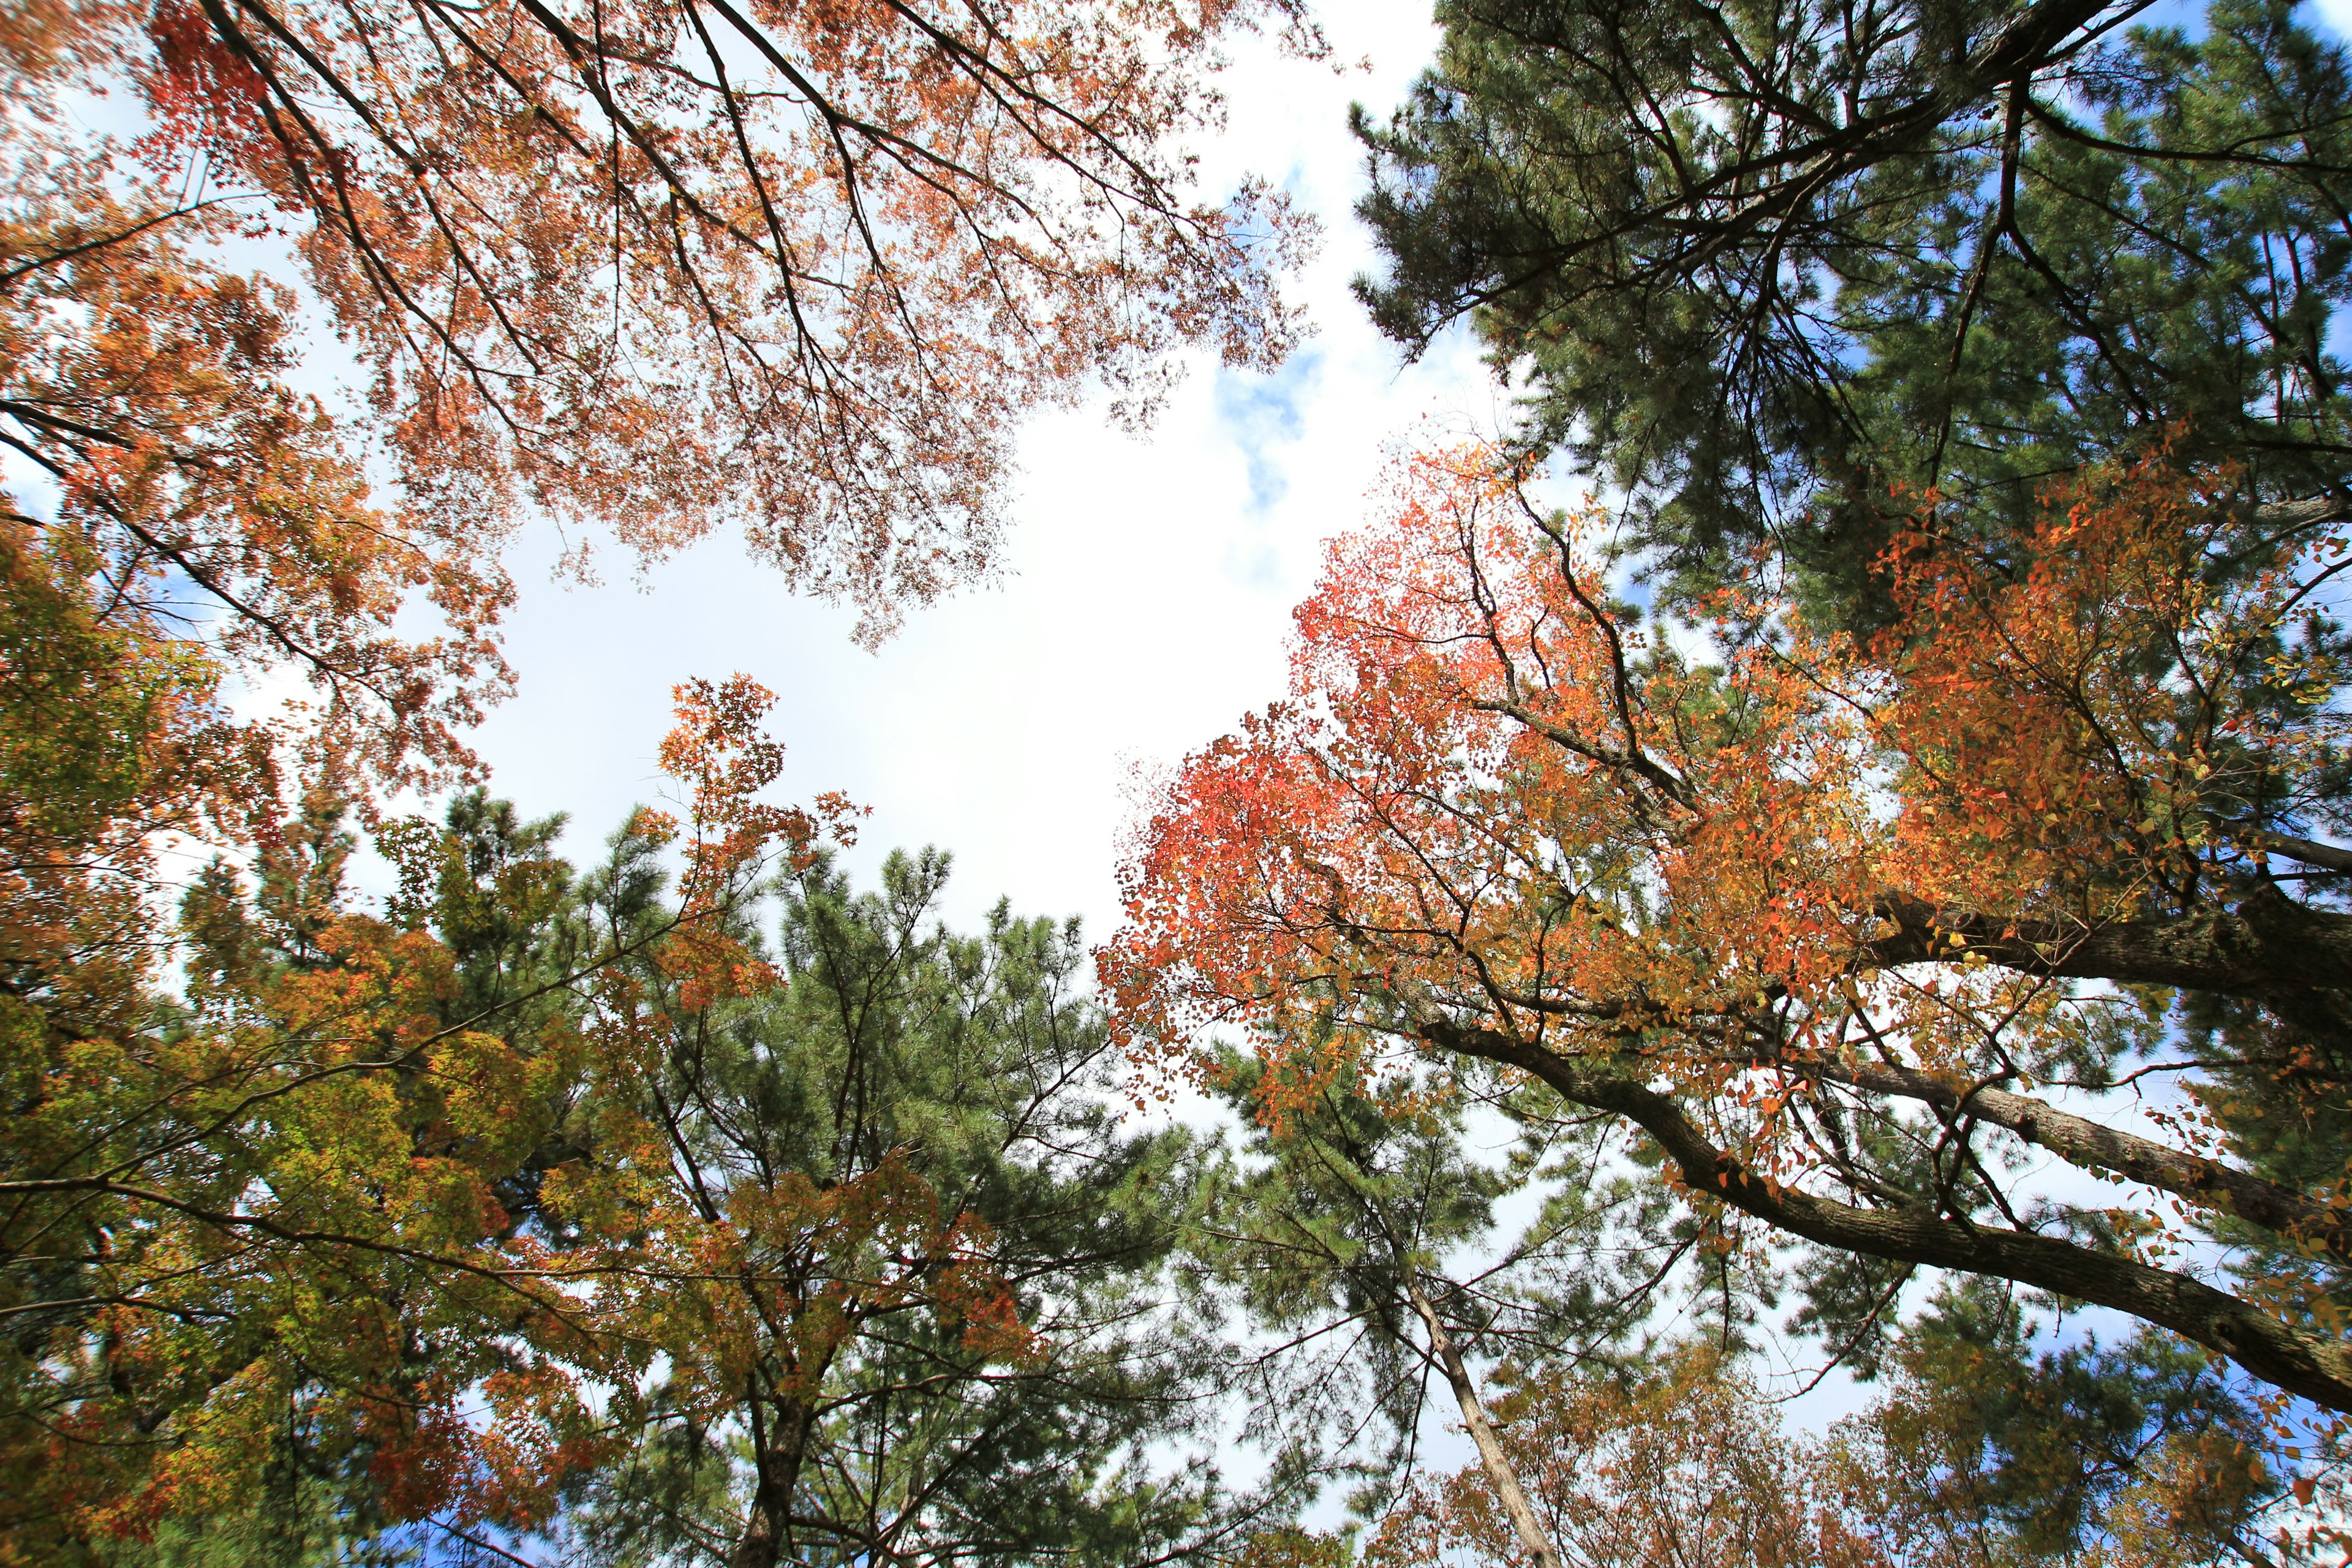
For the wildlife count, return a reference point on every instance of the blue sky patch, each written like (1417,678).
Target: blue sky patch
(1258,413)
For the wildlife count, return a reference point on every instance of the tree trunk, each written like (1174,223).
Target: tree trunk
(1497,1465)
(777,1459)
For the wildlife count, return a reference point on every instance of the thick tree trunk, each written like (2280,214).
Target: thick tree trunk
(2276,1351)
(1497,1464)
(759,1548)
(777,1452)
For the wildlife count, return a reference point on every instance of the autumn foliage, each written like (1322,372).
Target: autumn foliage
(657,266)
(635,272)
(1760,902)
(691,1207)
(1685,1460)
(539,1196)
(304,1186)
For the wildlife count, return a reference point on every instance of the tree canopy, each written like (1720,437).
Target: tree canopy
(922,1324)
(1921,919)
(638,273)
(1780,269)
(578,1205)
(634,274)
(1818,920)
(661,266)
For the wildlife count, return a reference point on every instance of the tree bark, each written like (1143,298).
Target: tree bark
(777,1458)
(1497,1464)
(2269,949)
(2271,1350)
(2086,1143)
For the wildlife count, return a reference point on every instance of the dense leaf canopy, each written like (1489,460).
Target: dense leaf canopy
(1923,919)
(1817,920)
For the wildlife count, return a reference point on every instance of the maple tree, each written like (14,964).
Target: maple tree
(1845,928)
(150,391)
(192,485)
(656,267)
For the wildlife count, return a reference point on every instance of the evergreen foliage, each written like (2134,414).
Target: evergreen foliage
(974,1070)
(1782,270)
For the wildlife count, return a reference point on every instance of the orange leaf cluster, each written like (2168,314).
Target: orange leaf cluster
(1726,887)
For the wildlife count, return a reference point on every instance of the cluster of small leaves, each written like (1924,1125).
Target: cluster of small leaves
(292,1214)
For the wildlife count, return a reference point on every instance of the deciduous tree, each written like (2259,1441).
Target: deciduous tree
(1847,929)
(651,268)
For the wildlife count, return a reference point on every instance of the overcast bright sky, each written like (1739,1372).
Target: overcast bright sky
(1146,593)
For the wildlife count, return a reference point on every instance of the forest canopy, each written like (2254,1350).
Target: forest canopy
(1815,853)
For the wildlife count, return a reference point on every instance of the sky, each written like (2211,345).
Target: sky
(1147,588)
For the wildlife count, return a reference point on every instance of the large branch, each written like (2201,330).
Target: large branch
(2290,516)
(2091,1145)
(2301,1364)
(2309,851)
(2040,36)
(2268,949)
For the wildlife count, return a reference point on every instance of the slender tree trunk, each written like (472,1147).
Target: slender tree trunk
(1497,1465)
